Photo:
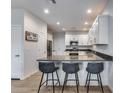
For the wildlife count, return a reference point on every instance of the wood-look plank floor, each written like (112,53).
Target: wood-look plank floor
(30,85)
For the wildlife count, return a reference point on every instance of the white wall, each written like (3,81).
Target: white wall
(17,17)
(59,43)
(50,35)
(31,50)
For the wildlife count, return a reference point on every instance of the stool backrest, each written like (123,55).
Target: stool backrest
(70,67)
(46,67)
(95,67)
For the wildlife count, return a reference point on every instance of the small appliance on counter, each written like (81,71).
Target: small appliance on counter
(73,54)
(73,43)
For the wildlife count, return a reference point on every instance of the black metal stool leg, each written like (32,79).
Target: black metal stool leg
(86,79)
(88,83)
(78,79)
(65,80)
(47,80)
(98,79)
(40,83)
(53,83)
(58,77)
(77,82)
(101,83)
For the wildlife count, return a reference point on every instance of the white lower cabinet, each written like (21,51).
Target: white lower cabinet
(81,52)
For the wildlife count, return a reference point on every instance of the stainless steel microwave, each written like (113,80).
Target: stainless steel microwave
(73,43)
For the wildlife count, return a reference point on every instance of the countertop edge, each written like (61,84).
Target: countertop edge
(72,60)
(103,55)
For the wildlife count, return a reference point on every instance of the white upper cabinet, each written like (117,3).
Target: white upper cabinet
(98,33)
(67,40)
(82,39)
(73,37)
(91,36)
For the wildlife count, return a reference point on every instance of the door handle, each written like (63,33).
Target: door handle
(17,55)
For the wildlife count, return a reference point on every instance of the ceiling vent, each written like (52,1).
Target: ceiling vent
(53,1)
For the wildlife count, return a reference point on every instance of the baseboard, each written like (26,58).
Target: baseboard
(28,75)
(15,78)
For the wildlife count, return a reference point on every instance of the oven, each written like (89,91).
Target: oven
(73,53)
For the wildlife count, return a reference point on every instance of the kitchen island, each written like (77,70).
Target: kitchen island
(82,60)
(85,57)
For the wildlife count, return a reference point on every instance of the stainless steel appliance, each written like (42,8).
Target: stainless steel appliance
(49,48)
(73,43)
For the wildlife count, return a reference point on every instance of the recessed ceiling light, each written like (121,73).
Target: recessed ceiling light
(86,23)
(63,29)
(46,11)
(84,29)
(89,11)
(58,23)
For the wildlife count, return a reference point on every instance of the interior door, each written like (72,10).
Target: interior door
(16,51)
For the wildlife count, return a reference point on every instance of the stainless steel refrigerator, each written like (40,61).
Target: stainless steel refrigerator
(49,48)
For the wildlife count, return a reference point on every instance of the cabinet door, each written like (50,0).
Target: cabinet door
(103,29)
(67,40)
(74,38)
(80,41)
(92,33)
(83,39)
(100,30)
(96,33)
(90,37)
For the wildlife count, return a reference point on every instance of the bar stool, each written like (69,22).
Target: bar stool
(71,68)
(48,68)
(94,68)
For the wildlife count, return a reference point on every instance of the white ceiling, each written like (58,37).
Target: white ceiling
(70,13)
